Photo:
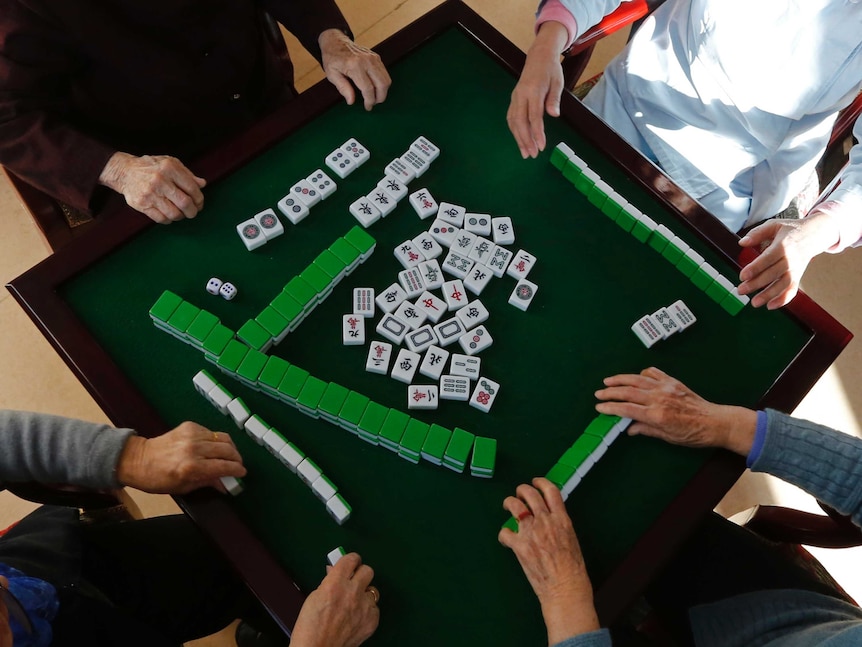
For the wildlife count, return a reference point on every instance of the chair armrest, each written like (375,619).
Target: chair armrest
(625,14)
(794,526)
(64,495)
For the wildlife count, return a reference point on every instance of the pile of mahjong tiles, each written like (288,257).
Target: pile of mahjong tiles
(645,230)
(428,313)
(288,453)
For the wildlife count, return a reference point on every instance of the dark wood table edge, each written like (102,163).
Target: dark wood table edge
(37,293)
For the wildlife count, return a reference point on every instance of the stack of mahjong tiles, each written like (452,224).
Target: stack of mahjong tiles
(573,465)
(644,229)
(663,323)
(414,315)
(269,437)
(307,290)
(384,197)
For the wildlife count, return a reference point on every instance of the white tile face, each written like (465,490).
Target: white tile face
(448,331)
(293,209)
(231,484)
(483,250)
(393,187)
(340,163)
(291,457)
(422,396)
(273,442)
(356,151)
(251,234)
(434,362)
(683,315)
(433,306)
(365,212)
(523,294)
(384,202)
(521,265)
(484,394)
(323,488)
(363,302)
(443,232)
(269,224)
(353,330)
(405,366)
(411,314)
(400,171)
(454,295)
(219,398)
(426,244)
(420,339)
(379,356)
(305,192)
(203,383)
(334,555)
(666,322)
(307,471)
(457,265)
(472,314)
(408,254)
(465,366)
(411,281)
(454,387)
(647,330)
(257,429)
(425,147)
(324,184)
(238,412)
(423,203)
(337,509)
(416,162)
(390,298)
(478,278)
(502,231)
(392,328)
(680,244)
(464,242)
(432,275)
(476,340)
(451,213)
(499,261)
(478,223)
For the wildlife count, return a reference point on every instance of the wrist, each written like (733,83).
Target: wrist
(129,465)
(569,615)
(112,174)
(551,39)
(332,36)
(737,429)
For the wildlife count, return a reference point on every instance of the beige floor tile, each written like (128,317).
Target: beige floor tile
(21,244)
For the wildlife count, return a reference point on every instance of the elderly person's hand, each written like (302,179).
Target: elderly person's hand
(158,186)
(666,408)
(788,247)
(347,64)
(183,459)
(549,553)
(342,611)
(538,90)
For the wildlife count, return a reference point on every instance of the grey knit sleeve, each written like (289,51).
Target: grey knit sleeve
(52,449)
(825,463)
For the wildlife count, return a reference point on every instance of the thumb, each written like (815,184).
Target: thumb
(552,101)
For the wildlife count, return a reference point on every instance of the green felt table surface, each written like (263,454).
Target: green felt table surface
(429,533)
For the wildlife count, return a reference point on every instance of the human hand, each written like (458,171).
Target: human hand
(345,61)
(538,90)
(158,186)
(666,408)
(181,460)
(5,629)
(342,611)
(549,553)
(788,246)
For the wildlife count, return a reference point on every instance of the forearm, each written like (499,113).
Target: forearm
(53,449)
(570,616)
(585,13)
(825,463)
(308,19)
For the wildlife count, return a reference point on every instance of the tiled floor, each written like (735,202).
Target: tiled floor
(32,377)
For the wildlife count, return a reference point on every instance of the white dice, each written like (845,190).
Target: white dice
(228,291)
(214,285)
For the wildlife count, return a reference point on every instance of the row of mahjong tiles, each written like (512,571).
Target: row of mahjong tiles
(644,229)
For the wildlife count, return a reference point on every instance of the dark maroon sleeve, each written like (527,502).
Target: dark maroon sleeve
(307,19)
(35,142)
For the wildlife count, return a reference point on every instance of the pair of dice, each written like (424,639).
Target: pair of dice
(226,290)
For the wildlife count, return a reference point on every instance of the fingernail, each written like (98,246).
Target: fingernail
(744,239)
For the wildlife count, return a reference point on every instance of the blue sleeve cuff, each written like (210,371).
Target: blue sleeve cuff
(759,439)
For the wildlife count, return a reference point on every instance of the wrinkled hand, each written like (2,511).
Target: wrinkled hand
(666,408)
(340,612)
(186,458)
(788,246)
(5,629)
(549,553)
(158,186)
(345,61)
(538,90)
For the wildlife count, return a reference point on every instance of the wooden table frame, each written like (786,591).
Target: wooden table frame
(37,292)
